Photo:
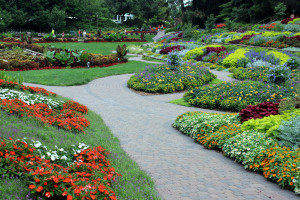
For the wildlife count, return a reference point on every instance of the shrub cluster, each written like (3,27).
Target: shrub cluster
(172,48)
(168,79)
(237,95)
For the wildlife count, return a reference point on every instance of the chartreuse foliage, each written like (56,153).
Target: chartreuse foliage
(269,124)
(232,59)
(197,52)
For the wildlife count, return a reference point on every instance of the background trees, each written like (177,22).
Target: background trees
(42,15)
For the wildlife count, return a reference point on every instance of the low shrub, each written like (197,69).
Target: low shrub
(289,133)
(245,147)
(269,124)
(168,79)
(172,48)
(232,59)
(288,104)
(259,111)
(237,95)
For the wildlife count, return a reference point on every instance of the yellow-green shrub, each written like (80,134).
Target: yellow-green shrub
(232,59)
(282,56)
(197,52)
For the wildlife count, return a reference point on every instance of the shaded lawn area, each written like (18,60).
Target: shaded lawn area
(69,77)
(104,48)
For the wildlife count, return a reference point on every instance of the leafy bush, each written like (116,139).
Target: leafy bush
(195,123)
(292,28)
(166,79)
(259,111)
(279,74)
(244,147)
(197,52)
(237,95)
(172,48)
(174,60)
(269,124)
(232,59)
(289,104)
(289,133)
(293,62)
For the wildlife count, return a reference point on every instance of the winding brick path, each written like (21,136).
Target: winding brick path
(181,168)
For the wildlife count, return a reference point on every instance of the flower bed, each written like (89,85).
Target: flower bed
(237,95)
(89,177)
(255,150)
(168,79)
(172,48)
(68,119)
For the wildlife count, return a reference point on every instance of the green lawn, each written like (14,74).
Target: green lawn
(104,48)
(134,183)
(68,77)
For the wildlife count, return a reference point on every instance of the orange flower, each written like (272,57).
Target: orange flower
(31,186)
(39,189)
(37,180)
(69,197)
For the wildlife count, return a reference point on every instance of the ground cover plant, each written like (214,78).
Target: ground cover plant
(75,165)
(168,78)
(256,150)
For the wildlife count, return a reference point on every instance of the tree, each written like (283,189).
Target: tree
(280,10)
(56,19)
(5,20)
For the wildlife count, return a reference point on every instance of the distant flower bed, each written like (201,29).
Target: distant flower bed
(172,48)
(168,79)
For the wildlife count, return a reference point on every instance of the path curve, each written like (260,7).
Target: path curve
(181,168)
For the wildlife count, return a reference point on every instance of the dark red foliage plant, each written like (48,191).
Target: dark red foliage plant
(259,111)
(170,49)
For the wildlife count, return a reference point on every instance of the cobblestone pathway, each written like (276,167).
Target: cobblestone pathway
(181,168)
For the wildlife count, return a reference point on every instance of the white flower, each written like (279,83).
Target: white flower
(64,158)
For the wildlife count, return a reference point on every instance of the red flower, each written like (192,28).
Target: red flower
(39,189)
(31,187)
(69,197)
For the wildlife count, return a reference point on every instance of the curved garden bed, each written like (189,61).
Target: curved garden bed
(168,79)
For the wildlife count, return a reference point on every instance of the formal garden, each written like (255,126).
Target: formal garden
(53,147)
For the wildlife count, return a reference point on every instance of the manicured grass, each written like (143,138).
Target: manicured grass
(68,77)
(134,183)
(104,48)
(152,59)
(181,102)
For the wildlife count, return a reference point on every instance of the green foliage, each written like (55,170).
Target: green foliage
(232,59)
(237,95)
(245,147)
(50,56)
(289,133)
(210,22)
(16,78)
(57,19)
(189,31)
(121,51)
(288,104)
(269,124)
(278,74)
(165,79)
(194,123)
(64,58)
(293,62)
(174,60)
(81,56)
(197,52)
(280,10)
